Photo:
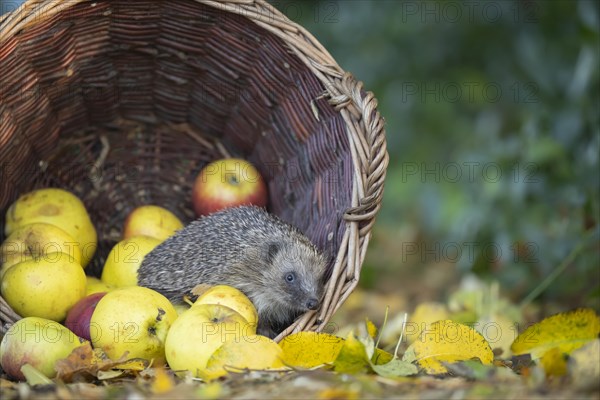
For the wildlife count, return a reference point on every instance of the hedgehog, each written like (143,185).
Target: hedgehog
(277,267)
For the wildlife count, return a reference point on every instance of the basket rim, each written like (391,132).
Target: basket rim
(365,128)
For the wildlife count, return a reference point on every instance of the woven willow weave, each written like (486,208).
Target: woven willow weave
(123,102)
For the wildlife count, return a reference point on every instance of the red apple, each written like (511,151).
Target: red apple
(80,315)
(228,182)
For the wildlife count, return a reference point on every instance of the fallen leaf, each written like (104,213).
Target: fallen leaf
(211,390)
(110,374)
(448,341)
(85,362)
(371,328)
(381,357)
(566,331)
(134,364)
(310,349)
(471,369)
(499,331)
(354,357)
(554,362)
(335,394)
(421,319)
(162,382)
(395,368)
(34,376)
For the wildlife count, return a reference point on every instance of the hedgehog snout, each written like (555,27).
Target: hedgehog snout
(312,303)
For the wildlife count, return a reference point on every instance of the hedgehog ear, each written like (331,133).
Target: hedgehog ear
(272,250)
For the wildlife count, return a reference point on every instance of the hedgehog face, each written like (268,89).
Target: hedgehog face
(298,274)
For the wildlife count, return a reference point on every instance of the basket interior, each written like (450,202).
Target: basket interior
(124,102)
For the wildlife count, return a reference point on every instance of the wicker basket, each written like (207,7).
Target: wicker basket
(123,103)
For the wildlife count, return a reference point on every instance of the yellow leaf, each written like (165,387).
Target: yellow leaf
(425,314)
(334,394)
(499,331)
(567,331)
(381,357)
(211,390)
(353,356)
(134,364)
(448,341)
(554,362)
(371,328)
(163,382)
(310,349)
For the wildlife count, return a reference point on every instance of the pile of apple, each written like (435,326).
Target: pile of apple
(51,239)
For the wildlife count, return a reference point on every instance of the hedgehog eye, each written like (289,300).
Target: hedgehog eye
(290,277)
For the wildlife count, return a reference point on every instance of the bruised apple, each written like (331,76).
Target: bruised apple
(228,182)
(56,207)
(34,241)
(153,221)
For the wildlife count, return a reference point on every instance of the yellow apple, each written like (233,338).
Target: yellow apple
(254,352)
(181,307)
(56,207)
(123,261)
(228,182)
(34,241)
(36,341)
(133,320)
(95,285)
(230,297)
(199,331)
(46,287)
(153,221)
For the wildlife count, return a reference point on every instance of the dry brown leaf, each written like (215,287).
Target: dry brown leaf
(85,363)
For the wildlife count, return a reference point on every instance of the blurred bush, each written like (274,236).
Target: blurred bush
(493,133)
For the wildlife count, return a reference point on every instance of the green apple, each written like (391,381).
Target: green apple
(153,221)
(199,331)
(123,261)
(46,287)
(56,207)
(228,182)
(232,298)
(133,320)
(36,341)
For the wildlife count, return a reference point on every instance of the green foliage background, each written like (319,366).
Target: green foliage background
(493,134)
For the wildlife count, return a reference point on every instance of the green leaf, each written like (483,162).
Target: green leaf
(34,376)
(353,357)
(395,368)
